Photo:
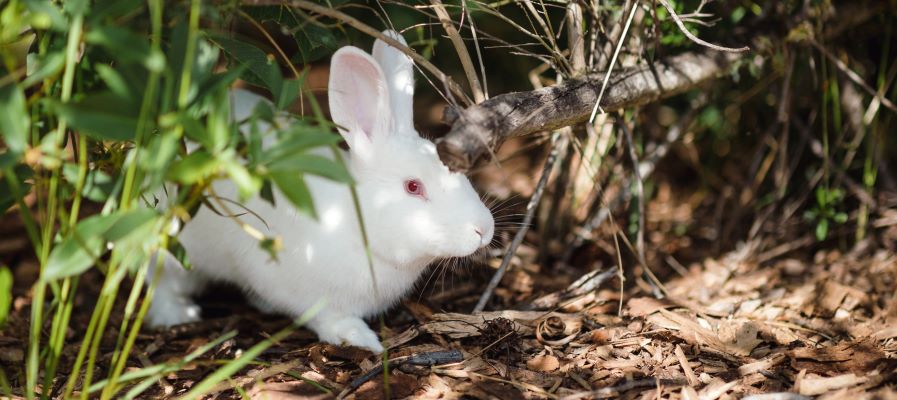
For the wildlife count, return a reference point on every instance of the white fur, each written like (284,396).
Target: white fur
(324,260)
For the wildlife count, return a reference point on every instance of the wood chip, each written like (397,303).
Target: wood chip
(686,368)
(831,297)
(739,337)
(814,386)
(762,365)
(715,389)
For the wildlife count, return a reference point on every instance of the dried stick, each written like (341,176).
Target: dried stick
(853,76)
(476,45)
(559,143)
(616,391)
(640,189)
(427,359)
(368,30)
(461,49)
(613,62)
(694,38)
(569,103)
(645,169)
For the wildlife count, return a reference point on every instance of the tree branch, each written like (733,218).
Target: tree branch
(481,127)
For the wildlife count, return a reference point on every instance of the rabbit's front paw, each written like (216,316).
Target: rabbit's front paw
(169,312)
(348,330)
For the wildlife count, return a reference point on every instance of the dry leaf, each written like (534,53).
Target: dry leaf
(544,363)
(642,306)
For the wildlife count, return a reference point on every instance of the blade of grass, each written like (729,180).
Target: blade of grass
(236,364)
(153,373)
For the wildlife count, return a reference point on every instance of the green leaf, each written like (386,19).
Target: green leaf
(179,252)
(80,250)
(313,164)
(298,140)
(14,118)
(247,185)
(218,123)
(130,222)
(822,229)
(161,150)
(46,15)
(113,9)
(116,82)
(197,165)
(45,66)
(260,69)
(98,185)
(192,127)
(313,42)
(76,7)
(840,217)
(5,293)
(287,93)
(6,197)
(127,46)
(821,197)
(293,187)
(218,82)
(101,116)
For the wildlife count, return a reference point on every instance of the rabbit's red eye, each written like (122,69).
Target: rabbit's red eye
(414,187)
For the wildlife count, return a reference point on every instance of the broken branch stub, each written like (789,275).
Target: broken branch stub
(481,127)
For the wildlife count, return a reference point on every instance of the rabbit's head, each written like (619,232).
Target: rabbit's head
(415,209)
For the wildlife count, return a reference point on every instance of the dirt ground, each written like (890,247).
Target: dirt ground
(777,313)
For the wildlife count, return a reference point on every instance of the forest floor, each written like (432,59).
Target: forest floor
(769,315)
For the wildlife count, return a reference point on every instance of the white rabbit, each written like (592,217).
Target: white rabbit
(415,211)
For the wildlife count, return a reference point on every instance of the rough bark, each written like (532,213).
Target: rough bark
(482,127)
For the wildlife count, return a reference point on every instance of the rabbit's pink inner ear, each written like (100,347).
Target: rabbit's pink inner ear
(358,96)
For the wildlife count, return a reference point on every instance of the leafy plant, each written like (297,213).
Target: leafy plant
(127,104)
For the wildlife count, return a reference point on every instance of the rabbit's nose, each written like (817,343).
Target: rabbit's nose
(485,235)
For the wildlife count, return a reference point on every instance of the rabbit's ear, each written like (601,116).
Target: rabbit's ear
(399,71)
(359,99)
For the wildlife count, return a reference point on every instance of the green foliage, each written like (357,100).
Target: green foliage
(5,293)
(140,90)
(826,211)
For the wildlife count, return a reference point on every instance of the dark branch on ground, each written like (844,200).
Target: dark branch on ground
(425,359)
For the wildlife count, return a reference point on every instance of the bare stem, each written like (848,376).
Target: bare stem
(461,49)
(694,38)
(559,144)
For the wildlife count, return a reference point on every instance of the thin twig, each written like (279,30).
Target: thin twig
(694,38)
(613,61)
(368,30)
(645,169)
(559,142)
(461,49)
(427,359)
(853,76)
(640,192)
(476,45)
